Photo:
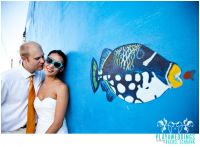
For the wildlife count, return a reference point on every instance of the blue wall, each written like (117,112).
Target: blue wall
(83,29)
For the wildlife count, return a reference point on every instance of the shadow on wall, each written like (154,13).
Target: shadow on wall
(77,75)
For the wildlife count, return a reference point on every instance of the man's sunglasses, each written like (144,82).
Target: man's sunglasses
(56,64)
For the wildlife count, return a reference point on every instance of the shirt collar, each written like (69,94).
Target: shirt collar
(26,73)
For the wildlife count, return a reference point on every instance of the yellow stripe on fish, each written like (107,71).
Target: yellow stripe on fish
(173,76)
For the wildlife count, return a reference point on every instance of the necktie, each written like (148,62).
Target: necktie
(30,125)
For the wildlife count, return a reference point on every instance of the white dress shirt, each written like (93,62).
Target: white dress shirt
(14,97)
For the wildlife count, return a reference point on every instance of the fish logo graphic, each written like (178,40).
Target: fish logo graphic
(134,73)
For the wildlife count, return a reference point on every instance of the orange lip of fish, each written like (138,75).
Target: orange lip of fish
(174,76)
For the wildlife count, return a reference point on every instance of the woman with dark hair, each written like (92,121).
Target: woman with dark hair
(52,97)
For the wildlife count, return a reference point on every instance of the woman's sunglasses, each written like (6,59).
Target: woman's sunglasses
(56,64)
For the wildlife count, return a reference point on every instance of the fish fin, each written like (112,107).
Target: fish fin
(94,75)
(105,54)
(103,87)
(110,95)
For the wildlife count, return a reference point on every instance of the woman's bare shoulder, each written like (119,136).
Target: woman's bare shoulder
(62,86)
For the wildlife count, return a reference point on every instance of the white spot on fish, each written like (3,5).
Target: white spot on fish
(136,101)
(117,78)
(145,79)
(128,77)
(120,96)
(137,77)
(129,99)
(121,88)
(108,76)
(113,89)
(111,82)
(155,88)
(105,77)
(131,86)
(100,72)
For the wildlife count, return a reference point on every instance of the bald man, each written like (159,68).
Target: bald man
(15,85)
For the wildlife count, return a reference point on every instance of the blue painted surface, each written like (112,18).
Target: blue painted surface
(83,29)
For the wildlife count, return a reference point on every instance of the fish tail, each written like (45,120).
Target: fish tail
(94,75)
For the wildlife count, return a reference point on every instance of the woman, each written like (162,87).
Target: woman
(52,98)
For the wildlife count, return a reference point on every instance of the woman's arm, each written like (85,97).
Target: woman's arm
(61,106)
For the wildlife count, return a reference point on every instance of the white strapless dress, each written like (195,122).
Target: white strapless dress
(45,110)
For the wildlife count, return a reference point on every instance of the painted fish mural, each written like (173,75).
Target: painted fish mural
(134,73)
